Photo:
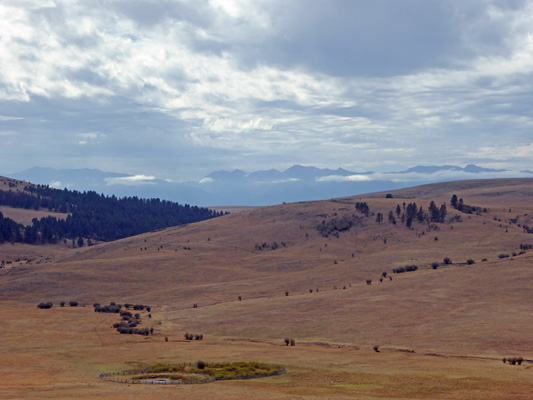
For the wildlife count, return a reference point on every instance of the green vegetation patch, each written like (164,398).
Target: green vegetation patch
(222,371)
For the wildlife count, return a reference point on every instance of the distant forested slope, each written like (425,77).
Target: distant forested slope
(91,215)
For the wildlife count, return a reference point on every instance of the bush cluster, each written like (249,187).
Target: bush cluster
(407,268)
(513,360)
(133,331)
(459,204)
(362,207)
(336,225)
(46,305)
(270,246)
(193,336)
(112,308)
(138,307)
(527,229)
(288,341)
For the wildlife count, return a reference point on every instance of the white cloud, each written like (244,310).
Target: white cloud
(7,118)
(86,138)
(131,180)
(340,178)
(206,180)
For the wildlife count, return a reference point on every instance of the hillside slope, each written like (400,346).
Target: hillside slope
(259,255)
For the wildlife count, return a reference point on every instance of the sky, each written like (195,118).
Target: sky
(178,89)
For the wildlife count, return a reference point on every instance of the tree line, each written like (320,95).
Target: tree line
(91,215)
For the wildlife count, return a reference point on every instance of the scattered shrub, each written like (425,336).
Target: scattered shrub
(112,308)
(200,365)
(502,255)
(287,341)
(434,265)
(73,303)
(62,304)
(369,281)
(133,331)
(338,224)
(470,261)
(447,260)
(293,342)
(376,349)
(514,360)
(192,336)
(272,246)
(407,268)
(46,305)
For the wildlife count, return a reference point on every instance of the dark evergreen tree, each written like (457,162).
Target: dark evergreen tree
(454,201)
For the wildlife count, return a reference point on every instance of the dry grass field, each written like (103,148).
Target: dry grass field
(25,217)
(441,332)
(21,215)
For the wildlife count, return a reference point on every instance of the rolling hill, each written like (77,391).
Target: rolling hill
(303,270)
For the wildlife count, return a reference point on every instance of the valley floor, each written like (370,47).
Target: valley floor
(59,353)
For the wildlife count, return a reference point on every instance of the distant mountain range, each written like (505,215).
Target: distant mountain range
(237,187)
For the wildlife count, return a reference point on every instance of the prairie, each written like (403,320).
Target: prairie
(247,281)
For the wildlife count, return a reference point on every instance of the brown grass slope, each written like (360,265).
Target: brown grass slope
(482,308)
(21,215)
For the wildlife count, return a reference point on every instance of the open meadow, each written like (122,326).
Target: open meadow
(332,275)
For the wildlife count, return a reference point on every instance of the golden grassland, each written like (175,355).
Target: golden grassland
(441,333)
(21,215)
(25,217)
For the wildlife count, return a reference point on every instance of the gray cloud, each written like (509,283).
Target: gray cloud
(179,88)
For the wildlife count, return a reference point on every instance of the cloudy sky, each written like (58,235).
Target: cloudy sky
(180,88)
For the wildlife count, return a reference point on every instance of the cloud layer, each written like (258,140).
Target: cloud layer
(176,89)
